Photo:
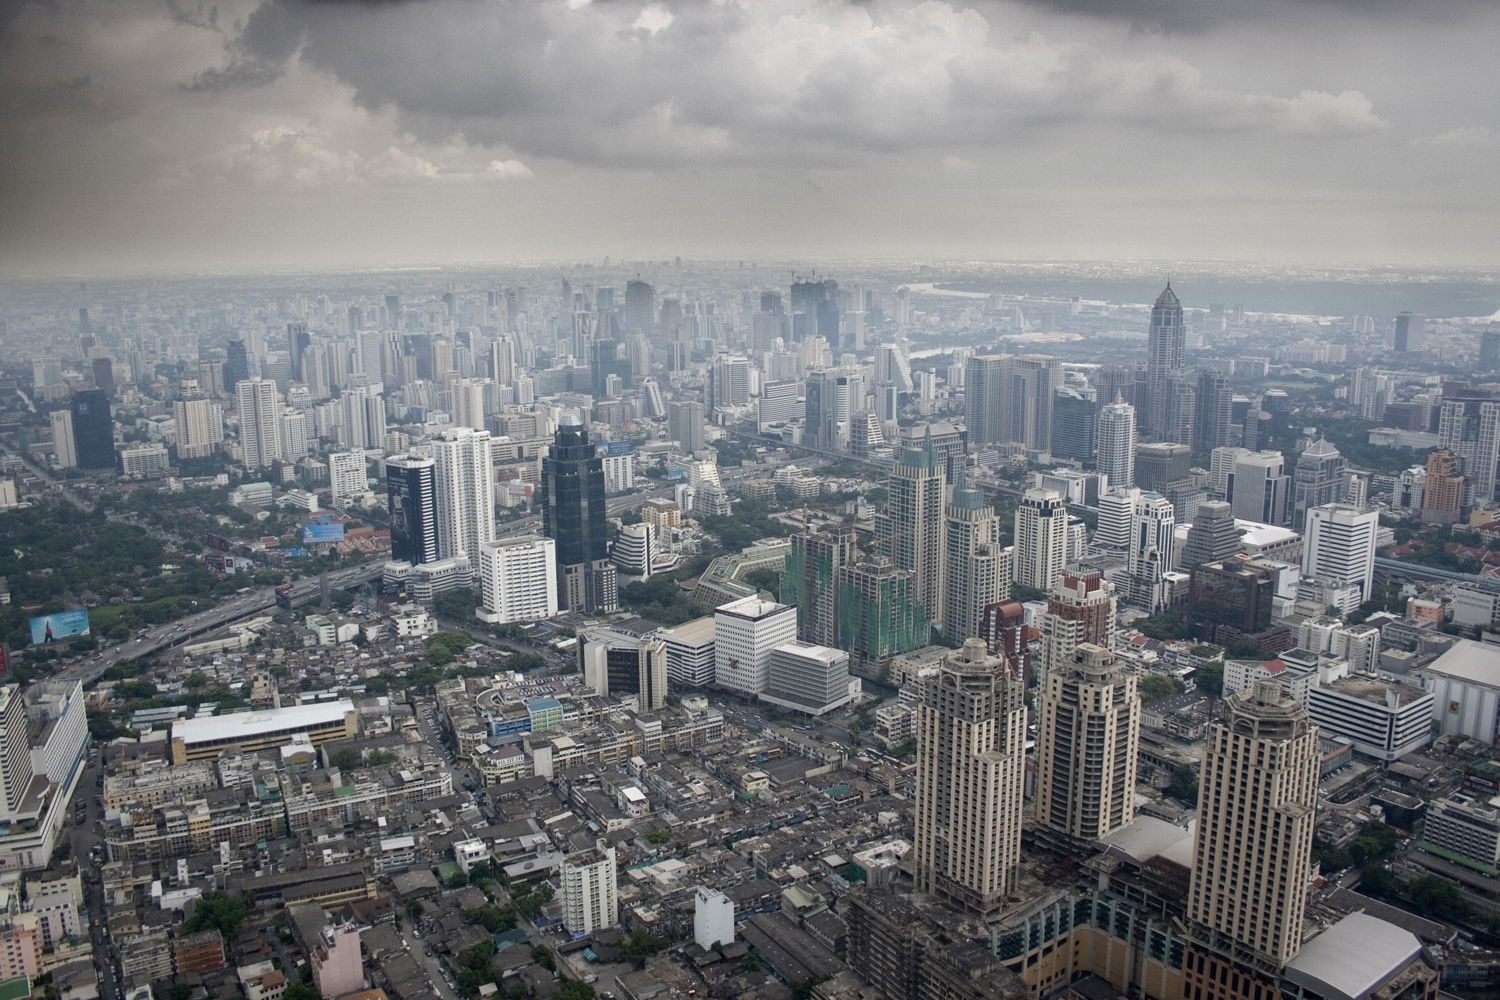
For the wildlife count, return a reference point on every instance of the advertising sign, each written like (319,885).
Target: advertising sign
(315,533)
(49,628)
(613,448)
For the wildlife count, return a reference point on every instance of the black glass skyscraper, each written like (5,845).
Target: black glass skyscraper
(236,365)
(411,498)
(93,430)
(573,517)
(297,343)
(1075,426)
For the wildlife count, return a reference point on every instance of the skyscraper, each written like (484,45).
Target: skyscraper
(879,616)
(912,526)
(1117,444)
(1258,487)
(63,449)
(517,579)
(411,499)
(1161,462)
(346,476)
(685,424)
(640,307)
(1041,539)
(465,490)
(1212,536)
(971,750)
(1081,608)
(1166,353)
(1317,479)
(236,364)
(1075,425)
(297,343)
(1340,545)
(1149,557)
(198,420)
(809,582)
(1257,806)
(985,378)
(1215,415)
(1088,740)
(573,513)
(1410,335)
(745,633)
(259,403)
(971,561)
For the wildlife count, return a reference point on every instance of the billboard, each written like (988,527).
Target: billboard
(613,448)
(48,628)
(314,533)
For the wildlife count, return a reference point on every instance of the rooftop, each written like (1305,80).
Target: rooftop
(752,608)
(1353,958)
(245,725)
(1470,661)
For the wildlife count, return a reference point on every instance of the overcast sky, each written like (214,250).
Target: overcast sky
(193,135)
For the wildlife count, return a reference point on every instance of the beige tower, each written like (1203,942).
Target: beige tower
(971,751)
(1256,807)
(1089,736)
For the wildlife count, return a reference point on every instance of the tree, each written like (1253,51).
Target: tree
(1380,883)
(1163,626)
(575,989)
(301,991)
(346,759)
(641,945)
(1209,678)
(220,911)
(1155,686)
(1440,898)
(1184,785)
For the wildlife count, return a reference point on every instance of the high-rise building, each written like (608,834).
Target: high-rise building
(1116,512)
(1215,411)
(1410,335)
(469,407)
(297,343)
(685,424)
(911,529)
(809,581)
(411,499)
(346,477)
(731,375)
(291,434)
(1041,539)
(1443,491)
(1161,462)
(1075,426)
(745,633)
(1149,556)
(573,513)
(517,580)
(971,763)
(465,481)
(1081,608)
(640,307)
(1257,807)
(985,388)
(1087,744)
(1340,545)
(1318,479)
(236,365)
(199,422)
(1009,398)
(63,450)
(617,664)
(93,430)
(1259,487)
(1489,350)
(1117,444)
(590,890)
(634,549)
(879,615)
(1166,354)
(971,561)
(259,403)
(104,375)
(809,678)
(503,360)
(1212,536)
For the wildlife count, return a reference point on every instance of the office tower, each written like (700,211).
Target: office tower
(411,499)
(1214,418)
(1075,426)
(731,375)
(1489,350)
(640,308)
(617,664)
(1081,608)
(806,677)
(1116,511)
(1443,491)
(346,477)
(911,529)
(1148,559)
(634,549)
(653,402)
(1221,469)
(1317,479)
(971,560)
(93,430)
(63,449)
(573,513)
(808,311)
(104,375)
(503,360)
(685,424)
(1235,592)
(1117,444)
(258,404)
(199,422)
(605,360)
(780,403)
(1257,806)
(1032,383)
(971,750)
(1370,392)
(1469,426)
(590,892)
(879,615)
(985,378)
(809,581)
(1087,744)
(1213,536)
(1160,463)
(517,580)
(892,367)
(745,633)
(1410,334)
(1041,539)
(297,343)
(15,752)
(291,434)
(1117,382)
(1259,488)
(826,391)
(236,365)
(1166,353)
(1340,545)
(465,492)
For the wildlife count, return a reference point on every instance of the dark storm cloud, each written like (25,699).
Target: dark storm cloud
(241,73)
(1192,16)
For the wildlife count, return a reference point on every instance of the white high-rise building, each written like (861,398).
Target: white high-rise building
(1116,513)
(1087,745)
(469,402)
(1221,467)
(971,767)
(1340,545)
(363,417)
(634,549)
(199,422)
(465,491)
(1149,556)
(346,477)
(291,432)
(971,561)
(911,529)
(590,892)
(713,918)
(259,403)
(63,448)
(517,580)
(745,633)
(503,360)
(1041,539)
(1259,488)
(1116,444)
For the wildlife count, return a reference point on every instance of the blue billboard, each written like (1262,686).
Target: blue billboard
(314,533)
(48,628)
(613,448)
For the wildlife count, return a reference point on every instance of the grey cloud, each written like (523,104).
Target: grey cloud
(1194,16)
(238,74)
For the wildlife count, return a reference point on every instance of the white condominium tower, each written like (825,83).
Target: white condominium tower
(1116,444)
(972,561)
(258,404)
(1087,744)
(913,524)
(971,764)
(465,492)
(1340,545)
(1041,539)
(517,579)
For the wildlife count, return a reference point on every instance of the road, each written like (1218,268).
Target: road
(83,837)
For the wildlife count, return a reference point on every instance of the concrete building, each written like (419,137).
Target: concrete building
(1466,830)
(1340,545)
(690,652)
(258,404)
(1259,488)
(1383,720)
(1116,443)
(1465,687)
(1041,539)
(745,633)
(973,563)
(618,664)
(634,549)
(465,491)
(971,736)
(1081,609)
(912,528)
(808,678)
(1087,744)
(1148,556)
(64,452)
(207,737)
(1257,803)
(713,918)
(346,477)
(517,580)
(590,892)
